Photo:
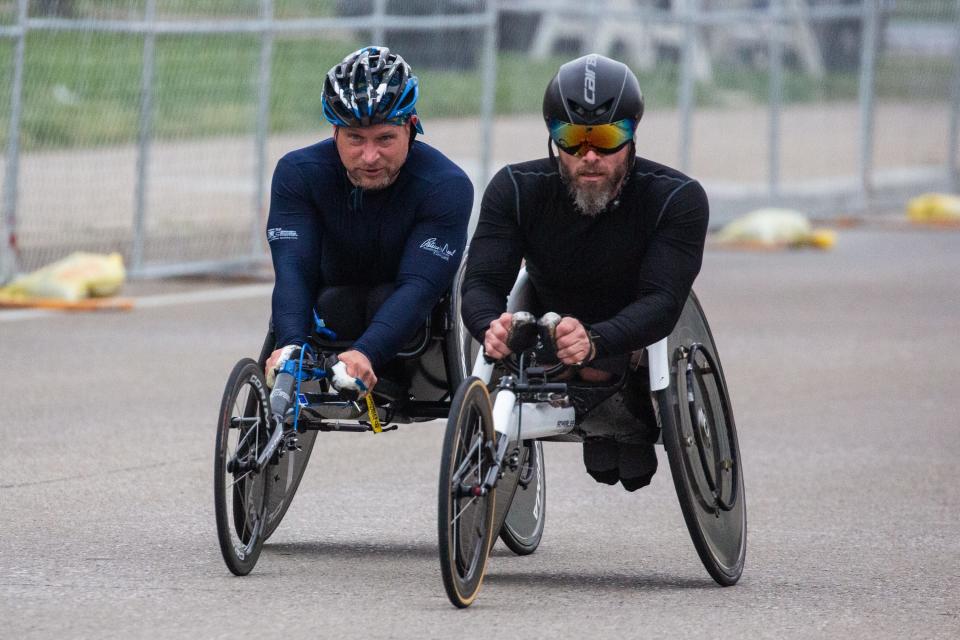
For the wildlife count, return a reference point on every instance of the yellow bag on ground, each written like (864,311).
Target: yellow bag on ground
(934,207)
(775,228)
(78,276)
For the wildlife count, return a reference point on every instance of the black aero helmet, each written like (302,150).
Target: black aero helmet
(593,90)
(370,86)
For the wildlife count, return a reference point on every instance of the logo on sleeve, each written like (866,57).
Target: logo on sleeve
(444,252)
(278,233)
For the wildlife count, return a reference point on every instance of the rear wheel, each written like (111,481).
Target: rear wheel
(466,513)
(700,438)
(241,493)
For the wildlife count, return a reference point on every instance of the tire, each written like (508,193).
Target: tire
(700,437)
(288,472)
(461,348)
(520,524)
(241,496)
(465,521)
(523,526)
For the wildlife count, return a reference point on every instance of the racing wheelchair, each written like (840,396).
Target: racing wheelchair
(265,437)
(488,442)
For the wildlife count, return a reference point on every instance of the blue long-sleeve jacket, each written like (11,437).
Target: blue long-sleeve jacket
(323,231)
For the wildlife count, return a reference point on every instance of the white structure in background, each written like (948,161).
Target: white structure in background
(603,25)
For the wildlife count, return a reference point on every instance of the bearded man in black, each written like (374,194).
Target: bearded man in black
(611,241)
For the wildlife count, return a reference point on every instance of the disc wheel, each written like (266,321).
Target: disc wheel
(284,479)
(241,493)
(285,476)
(700,438)
(523,525)
(466,515)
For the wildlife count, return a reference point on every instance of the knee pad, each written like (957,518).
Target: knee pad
(600,457)
(600,454)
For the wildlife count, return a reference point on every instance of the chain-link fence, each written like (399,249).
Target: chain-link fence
(151,127)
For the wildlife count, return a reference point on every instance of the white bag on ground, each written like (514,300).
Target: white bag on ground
(772,227)
(78,276)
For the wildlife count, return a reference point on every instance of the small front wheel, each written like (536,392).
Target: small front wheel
(523,526)
(466,503)
(241,491)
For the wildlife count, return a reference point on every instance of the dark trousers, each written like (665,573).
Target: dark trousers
(347,310)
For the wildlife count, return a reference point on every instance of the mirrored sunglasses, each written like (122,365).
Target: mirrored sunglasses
(577,139)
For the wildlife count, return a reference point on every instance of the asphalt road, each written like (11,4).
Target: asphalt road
(843,371)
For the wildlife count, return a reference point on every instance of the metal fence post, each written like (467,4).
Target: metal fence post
(691,10)
(263,126)
(488,94)
(867,98)
(593,41)
(11,179)
(954,138)
(144,135)
(379,13)
(775,49)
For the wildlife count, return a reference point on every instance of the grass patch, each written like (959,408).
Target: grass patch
(923,10)
(79,89)
(83,89)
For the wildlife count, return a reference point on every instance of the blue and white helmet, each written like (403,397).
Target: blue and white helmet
(370,86)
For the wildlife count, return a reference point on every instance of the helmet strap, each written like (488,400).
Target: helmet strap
(414,119)
(553,158)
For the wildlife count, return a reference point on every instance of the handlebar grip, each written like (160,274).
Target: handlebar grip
(548,334)
(281,398)
(523,332)
(548,324)
(344,382)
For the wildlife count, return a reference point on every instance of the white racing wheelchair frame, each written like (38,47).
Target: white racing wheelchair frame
(485,445)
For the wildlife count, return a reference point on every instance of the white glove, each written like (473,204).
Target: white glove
(344,381)
(286,353)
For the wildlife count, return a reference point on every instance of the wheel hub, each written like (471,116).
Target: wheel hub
(704,427)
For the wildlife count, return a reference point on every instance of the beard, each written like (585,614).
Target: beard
(372,184)
(592,198)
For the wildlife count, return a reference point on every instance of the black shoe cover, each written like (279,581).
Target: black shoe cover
(637,464)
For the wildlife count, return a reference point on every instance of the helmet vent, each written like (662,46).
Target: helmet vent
(589,114)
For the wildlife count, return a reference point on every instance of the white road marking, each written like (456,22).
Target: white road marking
(241,292)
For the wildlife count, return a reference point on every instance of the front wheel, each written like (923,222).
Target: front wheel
(466,506)
(523,526)
(241,492)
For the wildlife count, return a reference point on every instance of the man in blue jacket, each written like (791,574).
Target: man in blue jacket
(368,226)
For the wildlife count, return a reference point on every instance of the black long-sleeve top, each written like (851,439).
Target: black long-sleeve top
(626,272)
